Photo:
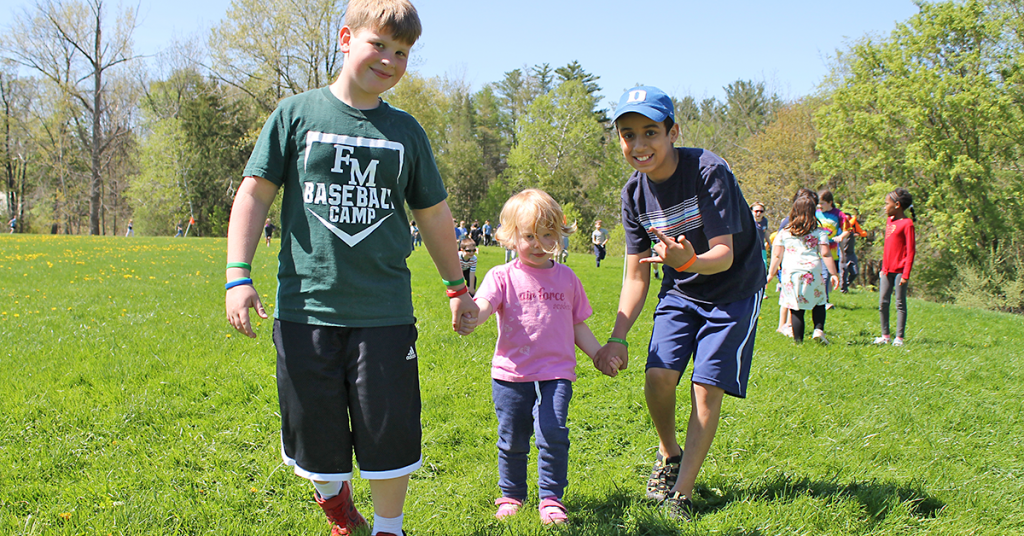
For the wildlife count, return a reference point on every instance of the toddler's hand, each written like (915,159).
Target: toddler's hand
(467,324)
(609,359)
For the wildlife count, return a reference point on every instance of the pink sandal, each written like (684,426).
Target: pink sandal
(507,506)
(552,512)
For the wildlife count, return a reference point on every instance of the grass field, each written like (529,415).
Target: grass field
(129,406)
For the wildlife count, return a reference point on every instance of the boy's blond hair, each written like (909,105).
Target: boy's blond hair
(397,17)
(529,211)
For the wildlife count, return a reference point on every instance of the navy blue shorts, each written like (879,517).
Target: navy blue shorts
(720,338)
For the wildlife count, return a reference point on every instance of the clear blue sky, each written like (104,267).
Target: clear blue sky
(683,46)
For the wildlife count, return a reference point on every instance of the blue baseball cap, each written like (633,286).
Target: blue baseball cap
(648,101)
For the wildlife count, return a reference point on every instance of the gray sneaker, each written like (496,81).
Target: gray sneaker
(663,477)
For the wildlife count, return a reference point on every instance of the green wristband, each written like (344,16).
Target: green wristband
(245,265)
(458,281)
(618,340)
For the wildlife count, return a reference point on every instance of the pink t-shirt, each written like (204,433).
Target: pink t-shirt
(536,309)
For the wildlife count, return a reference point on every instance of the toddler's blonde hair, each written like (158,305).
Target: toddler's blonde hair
(397,17)
(528,211)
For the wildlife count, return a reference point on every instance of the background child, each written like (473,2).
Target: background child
(599,238)
(347,372)
(800,248)
(832,220)
(542,309)
(690,202)
(467,260)
(848,264)
(268,230)
(897,260)
(476,233)
(785,327)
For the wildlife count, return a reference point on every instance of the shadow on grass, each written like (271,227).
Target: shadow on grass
(877,498)
(623,512)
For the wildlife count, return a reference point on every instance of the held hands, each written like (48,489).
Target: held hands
(237,302)
(464,314)
(611,358)
(672,252)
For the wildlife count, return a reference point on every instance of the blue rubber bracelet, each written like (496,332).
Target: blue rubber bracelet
(238,282)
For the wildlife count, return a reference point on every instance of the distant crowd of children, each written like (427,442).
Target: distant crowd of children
(814,252)
(344,330)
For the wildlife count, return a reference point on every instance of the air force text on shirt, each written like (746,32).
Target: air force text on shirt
(354,201)
(542,294)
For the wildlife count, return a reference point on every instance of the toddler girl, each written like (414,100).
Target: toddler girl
(541,310)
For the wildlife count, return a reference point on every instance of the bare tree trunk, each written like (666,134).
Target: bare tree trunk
(95,190)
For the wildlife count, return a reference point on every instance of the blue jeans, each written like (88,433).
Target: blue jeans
(524,409)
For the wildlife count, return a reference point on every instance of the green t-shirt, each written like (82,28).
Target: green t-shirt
(346,175)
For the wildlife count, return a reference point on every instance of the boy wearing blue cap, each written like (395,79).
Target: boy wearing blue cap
(687,202)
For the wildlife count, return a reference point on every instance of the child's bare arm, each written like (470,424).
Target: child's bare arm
(830,264)
(486,310)
(438,235)
(249,211)
(631,303)
(777,253)
(587,342)
(677,252)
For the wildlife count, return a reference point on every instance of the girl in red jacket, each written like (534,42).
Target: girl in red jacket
(897,260)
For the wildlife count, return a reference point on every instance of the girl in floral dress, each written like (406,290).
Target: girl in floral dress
(799,249)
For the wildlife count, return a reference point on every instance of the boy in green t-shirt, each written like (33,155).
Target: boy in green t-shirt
(344,329)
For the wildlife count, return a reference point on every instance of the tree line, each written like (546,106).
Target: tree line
(94,134)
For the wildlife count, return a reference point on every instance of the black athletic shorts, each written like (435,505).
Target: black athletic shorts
(348,389)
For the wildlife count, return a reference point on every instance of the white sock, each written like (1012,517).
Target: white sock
(328,490)
(387,524)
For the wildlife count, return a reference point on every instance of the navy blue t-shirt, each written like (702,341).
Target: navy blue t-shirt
(701,200)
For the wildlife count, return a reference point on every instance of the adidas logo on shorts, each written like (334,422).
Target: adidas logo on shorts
(411,355)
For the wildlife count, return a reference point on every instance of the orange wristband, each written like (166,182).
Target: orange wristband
(688,263)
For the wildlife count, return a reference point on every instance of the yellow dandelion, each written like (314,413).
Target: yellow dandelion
(65,515)
(228,335)
(253,490)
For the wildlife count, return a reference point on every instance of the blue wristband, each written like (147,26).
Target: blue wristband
(238,282)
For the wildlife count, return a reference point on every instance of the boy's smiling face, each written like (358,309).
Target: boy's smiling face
(647,146)
(374,62)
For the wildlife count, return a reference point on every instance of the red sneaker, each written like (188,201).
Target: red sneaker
(341,511)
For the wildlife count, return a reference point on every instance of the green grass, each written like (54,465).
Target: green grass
(129,406)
